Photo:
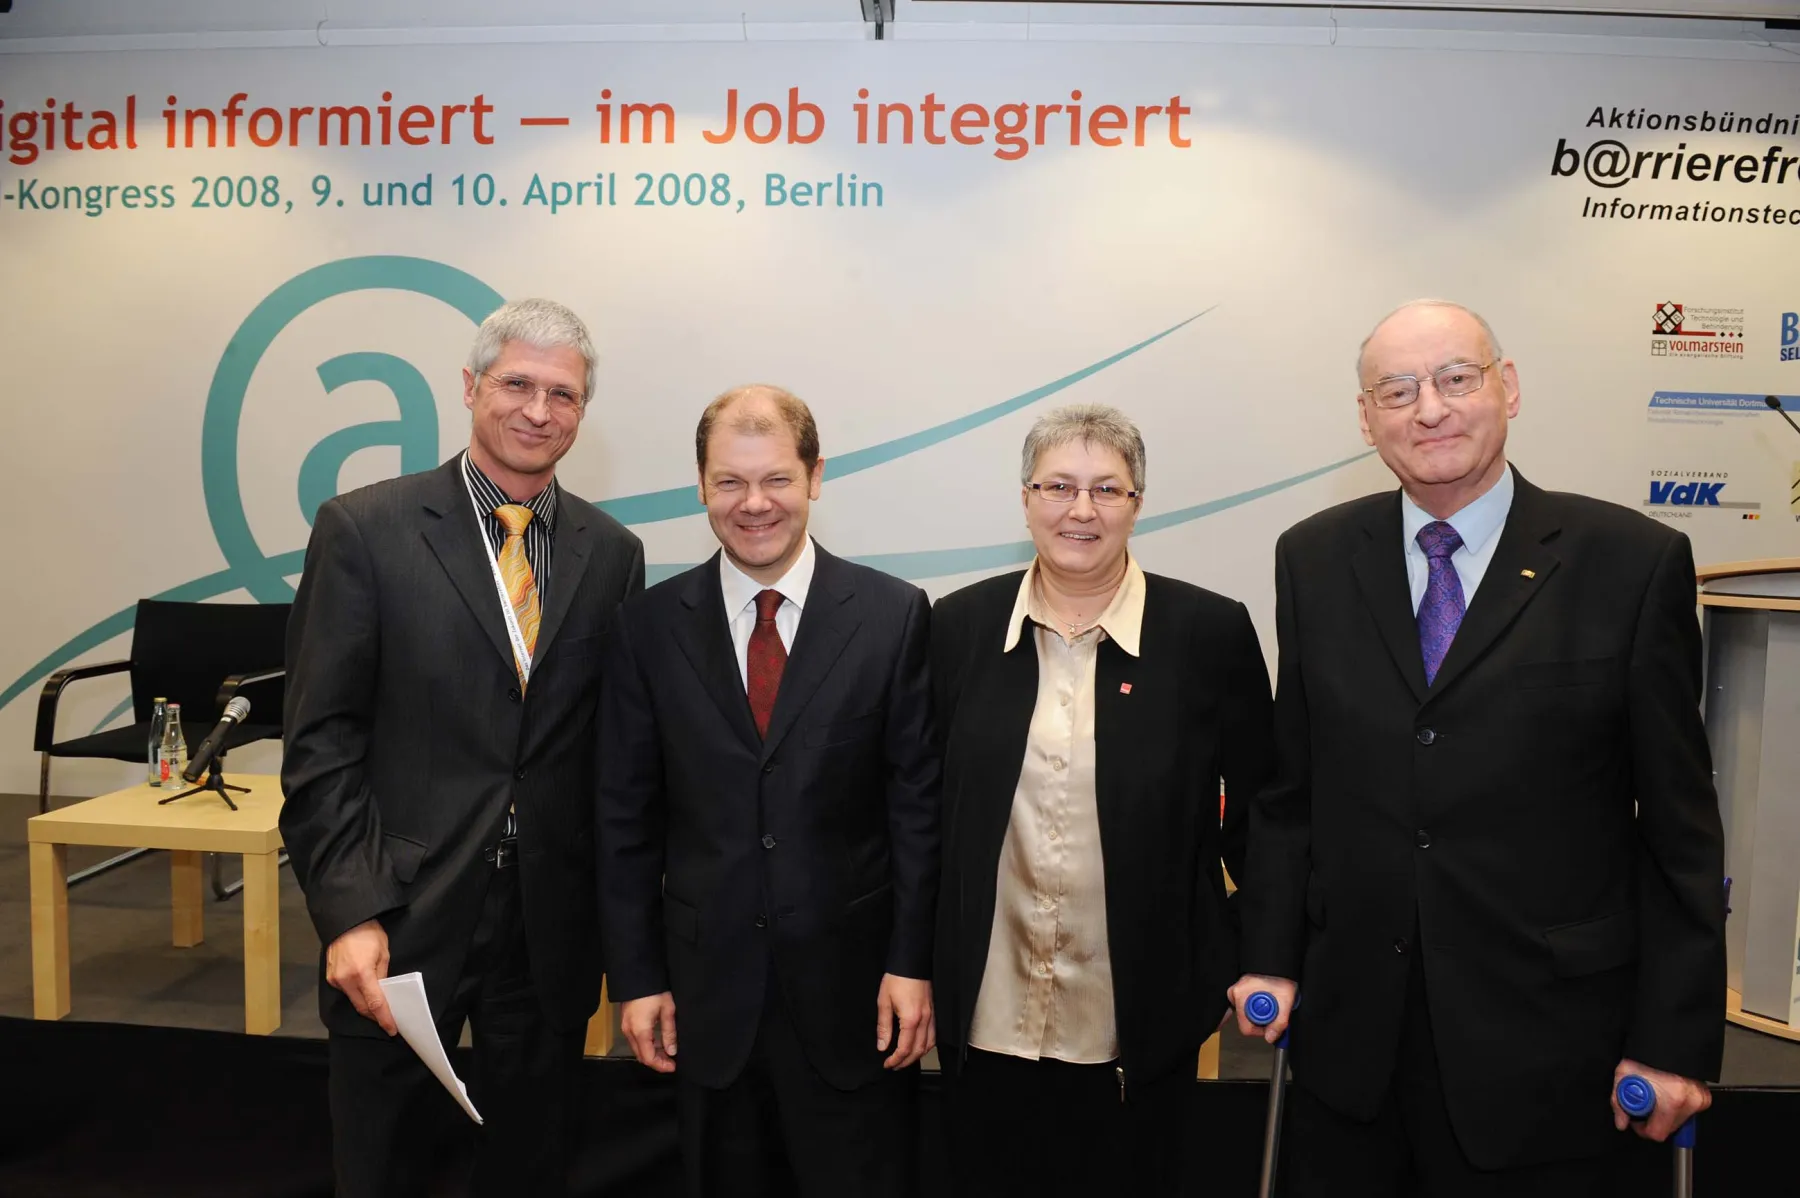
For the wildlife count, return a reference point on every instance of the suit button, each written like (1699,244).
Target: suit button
(768,841)
(513,694)
(769,768)
(1400,945)
(1422,838)
(762,921)
(1426,736)
(519,773)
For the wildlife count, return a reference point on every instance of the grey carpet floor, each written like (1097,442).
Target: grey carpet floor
(124,968)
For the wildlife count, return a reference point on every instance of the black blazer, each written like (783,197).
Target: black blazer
(1198,711)
(406,735)
(814,850)
(1540,823)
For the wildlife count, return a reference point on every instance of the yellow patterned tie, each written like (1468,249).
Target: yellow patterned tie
(515,572)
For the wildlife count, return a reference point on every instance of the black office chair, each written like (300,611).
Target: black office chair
(200,655)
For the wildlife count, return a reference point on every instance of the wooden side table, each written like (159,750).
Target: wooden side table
(187,828)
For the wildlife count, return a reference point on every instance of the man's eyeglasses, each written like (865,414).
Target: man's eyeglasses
(1104,495)
(1401,390)
(523,390)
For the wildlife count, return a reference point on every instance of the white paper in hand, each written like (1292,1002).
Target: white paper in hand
(412,1016)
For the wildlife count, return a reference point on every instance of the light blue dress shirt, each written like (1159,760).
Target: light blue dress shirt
(1478,524)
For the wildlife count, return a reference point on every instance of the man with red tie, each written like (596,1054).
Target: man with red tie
(767,830)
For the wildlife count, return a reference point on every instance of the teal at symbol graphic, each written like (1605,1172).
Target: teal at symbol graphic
(415,434)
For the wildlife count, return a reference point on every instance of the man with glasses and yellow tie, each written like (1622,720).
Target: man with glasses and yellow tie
(443,672)
(1491,857)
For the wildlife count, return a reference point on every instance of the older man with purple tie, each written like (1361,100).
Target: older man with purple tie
(1491,860)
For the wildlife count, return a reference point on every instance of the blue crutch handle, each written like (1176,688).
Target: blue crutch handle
(1637,1098)
(1261,1009)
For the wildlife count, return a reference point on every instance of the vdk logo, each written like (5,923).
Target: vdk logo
(1688,494)
(1790,336)
(1696,489)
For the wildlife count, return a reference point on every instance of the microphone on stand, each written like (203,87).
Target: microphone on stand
(235,711)
(1775,403)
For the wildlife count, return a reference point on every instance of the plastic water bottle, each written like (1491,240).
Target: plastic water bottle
(173,758)
(158,721)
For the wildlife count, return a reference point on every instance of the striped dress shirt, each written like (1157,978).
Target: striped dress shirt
(539,536)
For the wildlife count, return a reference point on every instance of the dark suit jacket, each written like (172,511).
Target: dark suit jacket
(815,849)
(1198,711)
(1540,823)
(406,734)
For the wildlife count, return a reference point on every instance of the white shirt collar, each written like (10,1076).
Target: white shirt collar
(740,589)
(1476,523)
(1122,621)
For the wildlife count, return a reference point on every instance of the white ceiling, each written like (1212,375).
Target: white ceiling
(65,20)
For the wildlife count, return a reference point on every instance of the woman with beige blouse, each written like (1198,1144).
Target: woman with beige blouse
(1089,712)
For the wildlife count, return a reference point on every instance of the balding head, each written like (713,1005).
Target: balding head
(760,410)
(1493,342)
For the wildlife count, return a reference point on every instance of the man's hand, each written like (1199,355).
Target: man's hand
(909,1001)
(355,963)
(1282,988)
(1677,1098)
(641,1020)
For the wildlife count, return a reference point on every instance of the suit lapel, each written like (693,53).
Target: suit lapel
(1521,565)
(571,546)
(456,540)
(826,625)
(1114,671)
(1380,567)
(708,648)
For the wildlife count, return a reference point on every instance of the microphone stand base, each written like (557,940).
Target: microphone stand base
(215,783)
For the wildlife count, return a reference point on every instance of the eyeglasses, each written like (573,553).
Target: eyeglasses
(1104,495)
(523,390)
(1460,378)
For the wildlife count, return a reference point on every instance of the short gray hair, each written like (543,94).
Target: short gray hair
(1094,424)
(540,322)
(1486,328)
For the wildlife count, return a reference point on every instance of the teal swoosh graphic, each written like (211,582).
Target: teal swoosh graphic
(646,508)
(676,502)
(941,563)
(679,501)
(200,589)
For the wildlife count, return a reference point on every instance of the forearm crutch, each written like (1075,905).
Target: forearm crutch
(1261,1009)
(1637,1098)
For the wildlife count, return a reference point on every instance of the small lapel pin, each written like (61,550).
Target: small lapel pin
(1124,688)
(1527,573)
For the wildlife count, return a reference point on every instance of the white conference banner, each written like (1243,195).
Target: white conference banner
(246,280)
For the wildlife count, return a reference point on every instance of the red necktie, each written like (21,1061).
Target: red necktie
(764,660)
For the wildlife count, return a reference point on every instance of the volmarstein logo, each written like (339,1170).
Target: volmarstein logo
(1684,331)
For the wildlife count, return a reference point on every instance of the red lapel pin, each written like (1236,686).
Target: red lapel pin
(1124,688)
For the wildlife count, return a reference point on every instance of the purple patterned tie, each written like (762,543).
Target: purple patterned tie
(1441,608)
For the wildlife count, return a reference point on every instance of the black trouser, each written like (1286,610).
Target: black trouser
(781,1129)
(1409,1148)
(1047,1128)
(385,1104)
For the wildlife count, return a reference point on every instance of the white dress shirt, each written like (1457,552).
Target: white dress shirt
(1478,524)
(740,592)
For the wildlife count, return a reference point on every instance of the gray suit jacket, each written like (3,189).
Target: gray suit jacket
(407,736)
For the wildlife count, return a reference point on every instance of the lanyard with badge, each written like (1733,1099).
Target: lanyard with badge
(521,655)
